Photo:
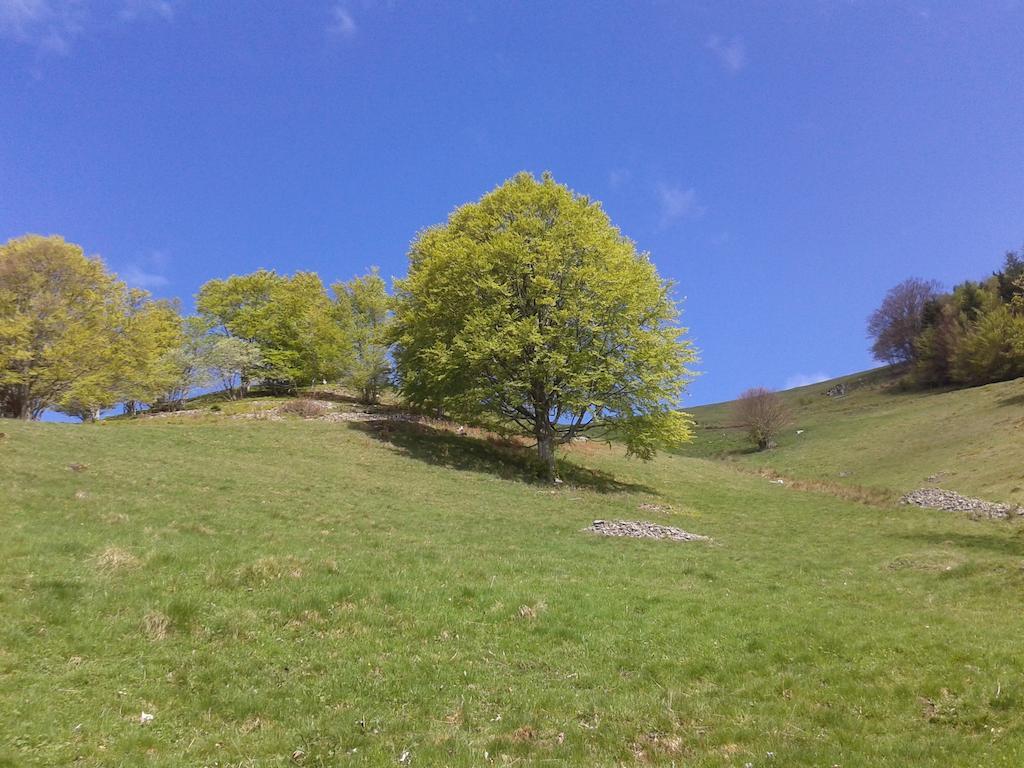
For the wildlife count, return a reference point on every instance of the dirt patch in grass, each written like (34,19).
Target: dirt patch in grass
(253,724)
(187,413)
(655,507)
(524,734)
(655,747)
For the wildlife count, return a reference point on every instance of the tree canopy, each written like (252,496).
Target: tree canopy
(762,414)
(291,321)
(362,308)
(971,335)
(895,325)
(531,311)
(72,336)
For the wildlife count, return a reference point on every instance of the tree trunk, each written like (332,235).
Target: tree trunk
(18,404)
(546,449)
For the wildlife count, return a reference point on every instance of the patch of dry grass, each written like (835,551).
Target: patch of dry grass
(531,611)
(872,497)
(268,569)
(305,407)
(114,558)
(156,625)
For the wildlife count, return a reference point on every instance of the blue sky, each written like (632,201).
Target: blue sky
(786,163)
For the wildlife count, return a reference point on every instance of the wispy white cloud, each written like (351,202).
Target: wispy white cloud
(52,26)
(17,16)
(137,277)
(342,23)
(45,24)
(731,54)
(678,203)
(135,9)
(618,177)
(805,379)
(146,272)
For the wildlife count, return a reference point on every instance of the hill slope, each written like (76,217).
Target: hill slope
(967,440)
(315,593)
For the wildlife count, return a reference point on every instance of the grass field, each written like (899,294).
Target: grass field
(319,594)
(967,440)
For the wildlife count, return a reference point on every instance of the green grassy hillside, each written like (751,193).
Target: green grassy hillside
(314,593)
(879,436)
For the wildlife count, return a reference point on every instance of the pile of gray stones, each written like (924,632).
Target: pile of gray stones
(638,529)
(950,501)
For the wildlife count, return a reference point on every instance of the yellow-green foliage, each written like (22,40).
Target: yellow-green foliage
(975,334)
(362,305)
(529,308)
(146,358)
(291,319)
(76,339)
(59,315)
(991,350)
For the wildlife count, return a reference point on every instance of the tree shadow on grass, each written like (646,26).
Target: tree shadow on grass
(748,450)
(502,458)
(1012,546)
(1013,400)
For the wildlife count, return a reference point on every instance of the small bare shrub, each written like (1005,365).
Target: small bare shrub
(304,407)
(762,414)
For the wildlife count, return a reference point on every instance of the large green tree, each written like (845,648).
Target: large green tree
(362,306)
(290,319)
(59,314)
(530,310)
(151,334)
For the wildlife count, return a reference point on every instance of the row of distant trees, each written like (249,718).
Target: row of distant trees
(971,335)
(527,312)
(75,339)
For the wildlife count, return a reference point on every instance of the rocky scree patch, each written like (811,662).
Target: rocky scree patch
(951,501)
(639,529)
